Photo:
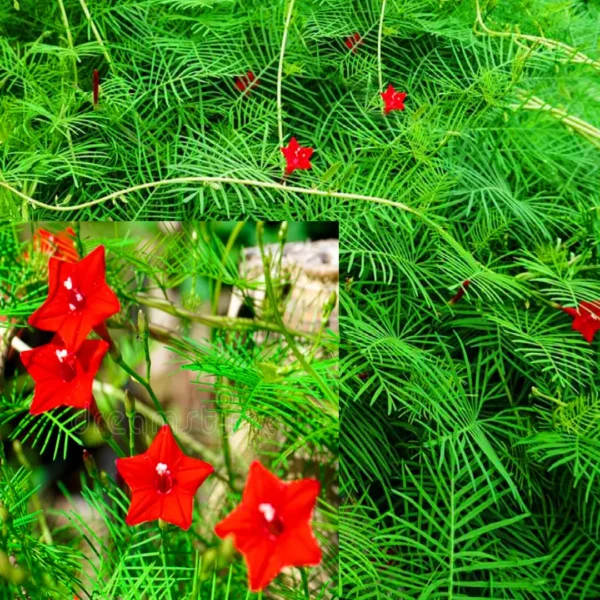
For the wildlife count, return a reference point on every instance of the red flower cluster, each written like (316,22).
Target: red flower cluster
(78,301)
(271,527)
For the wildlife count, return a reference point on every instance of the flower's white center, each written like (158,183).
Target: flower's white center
(68,283)
(61,354)
(268,511)
(161,468)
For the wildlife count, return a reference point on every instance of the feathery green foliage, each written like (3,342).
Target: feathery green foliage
(498,124)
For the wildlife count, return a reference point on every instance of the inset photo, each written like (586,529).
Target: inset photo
(169,410)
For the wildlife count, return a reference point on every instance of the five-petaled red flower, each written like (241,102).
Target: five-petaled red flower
(586,318)
(60,245)
(272,525)
(62,377)
(163,481)
(353,41)
(78,299)
(296,156)
(392,99)
(246,82)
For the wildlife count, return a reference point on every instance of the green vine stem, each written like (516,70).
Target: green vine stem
(214,309)
(213,321)
(379,40)
(129,404)
(573,55)
(35,499)
(226,252)
(286,28)
(591,133)
(118,358)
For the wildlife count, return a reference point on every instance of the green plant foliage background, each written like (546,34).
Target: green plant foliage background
(472,140)
(471,431)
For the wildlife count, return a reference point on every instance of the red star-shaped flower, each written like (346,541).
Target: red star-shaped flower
(353,41)
(246,82)
(272,525)
(63,378)
(296,156)
(392,99)
(78,298)
(586,318)
(163,481)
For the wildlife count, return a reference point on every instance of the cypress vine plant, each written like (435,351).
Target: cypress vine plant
(259,437)
(178,110)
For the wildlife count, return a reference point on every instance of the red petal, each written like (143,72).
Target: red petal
(262,486)
(191,474)
(299,548)
(103,304)
(91,354)
(244,524)
(293,145)
(73,327)
(591,308)
(177,509)
(587,327)
(263,564)
(91,271)
(570,311)
(138,472)
(300,500)
(164,449)
(145,506)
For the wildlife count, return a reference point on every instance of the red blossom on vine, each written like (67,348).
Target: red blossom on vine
(246,82)
(353,41)
(296,156)
(163,481)
(392,99)
(461,292)
(586,318)
(62,377)
(78,301)
(271,526)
